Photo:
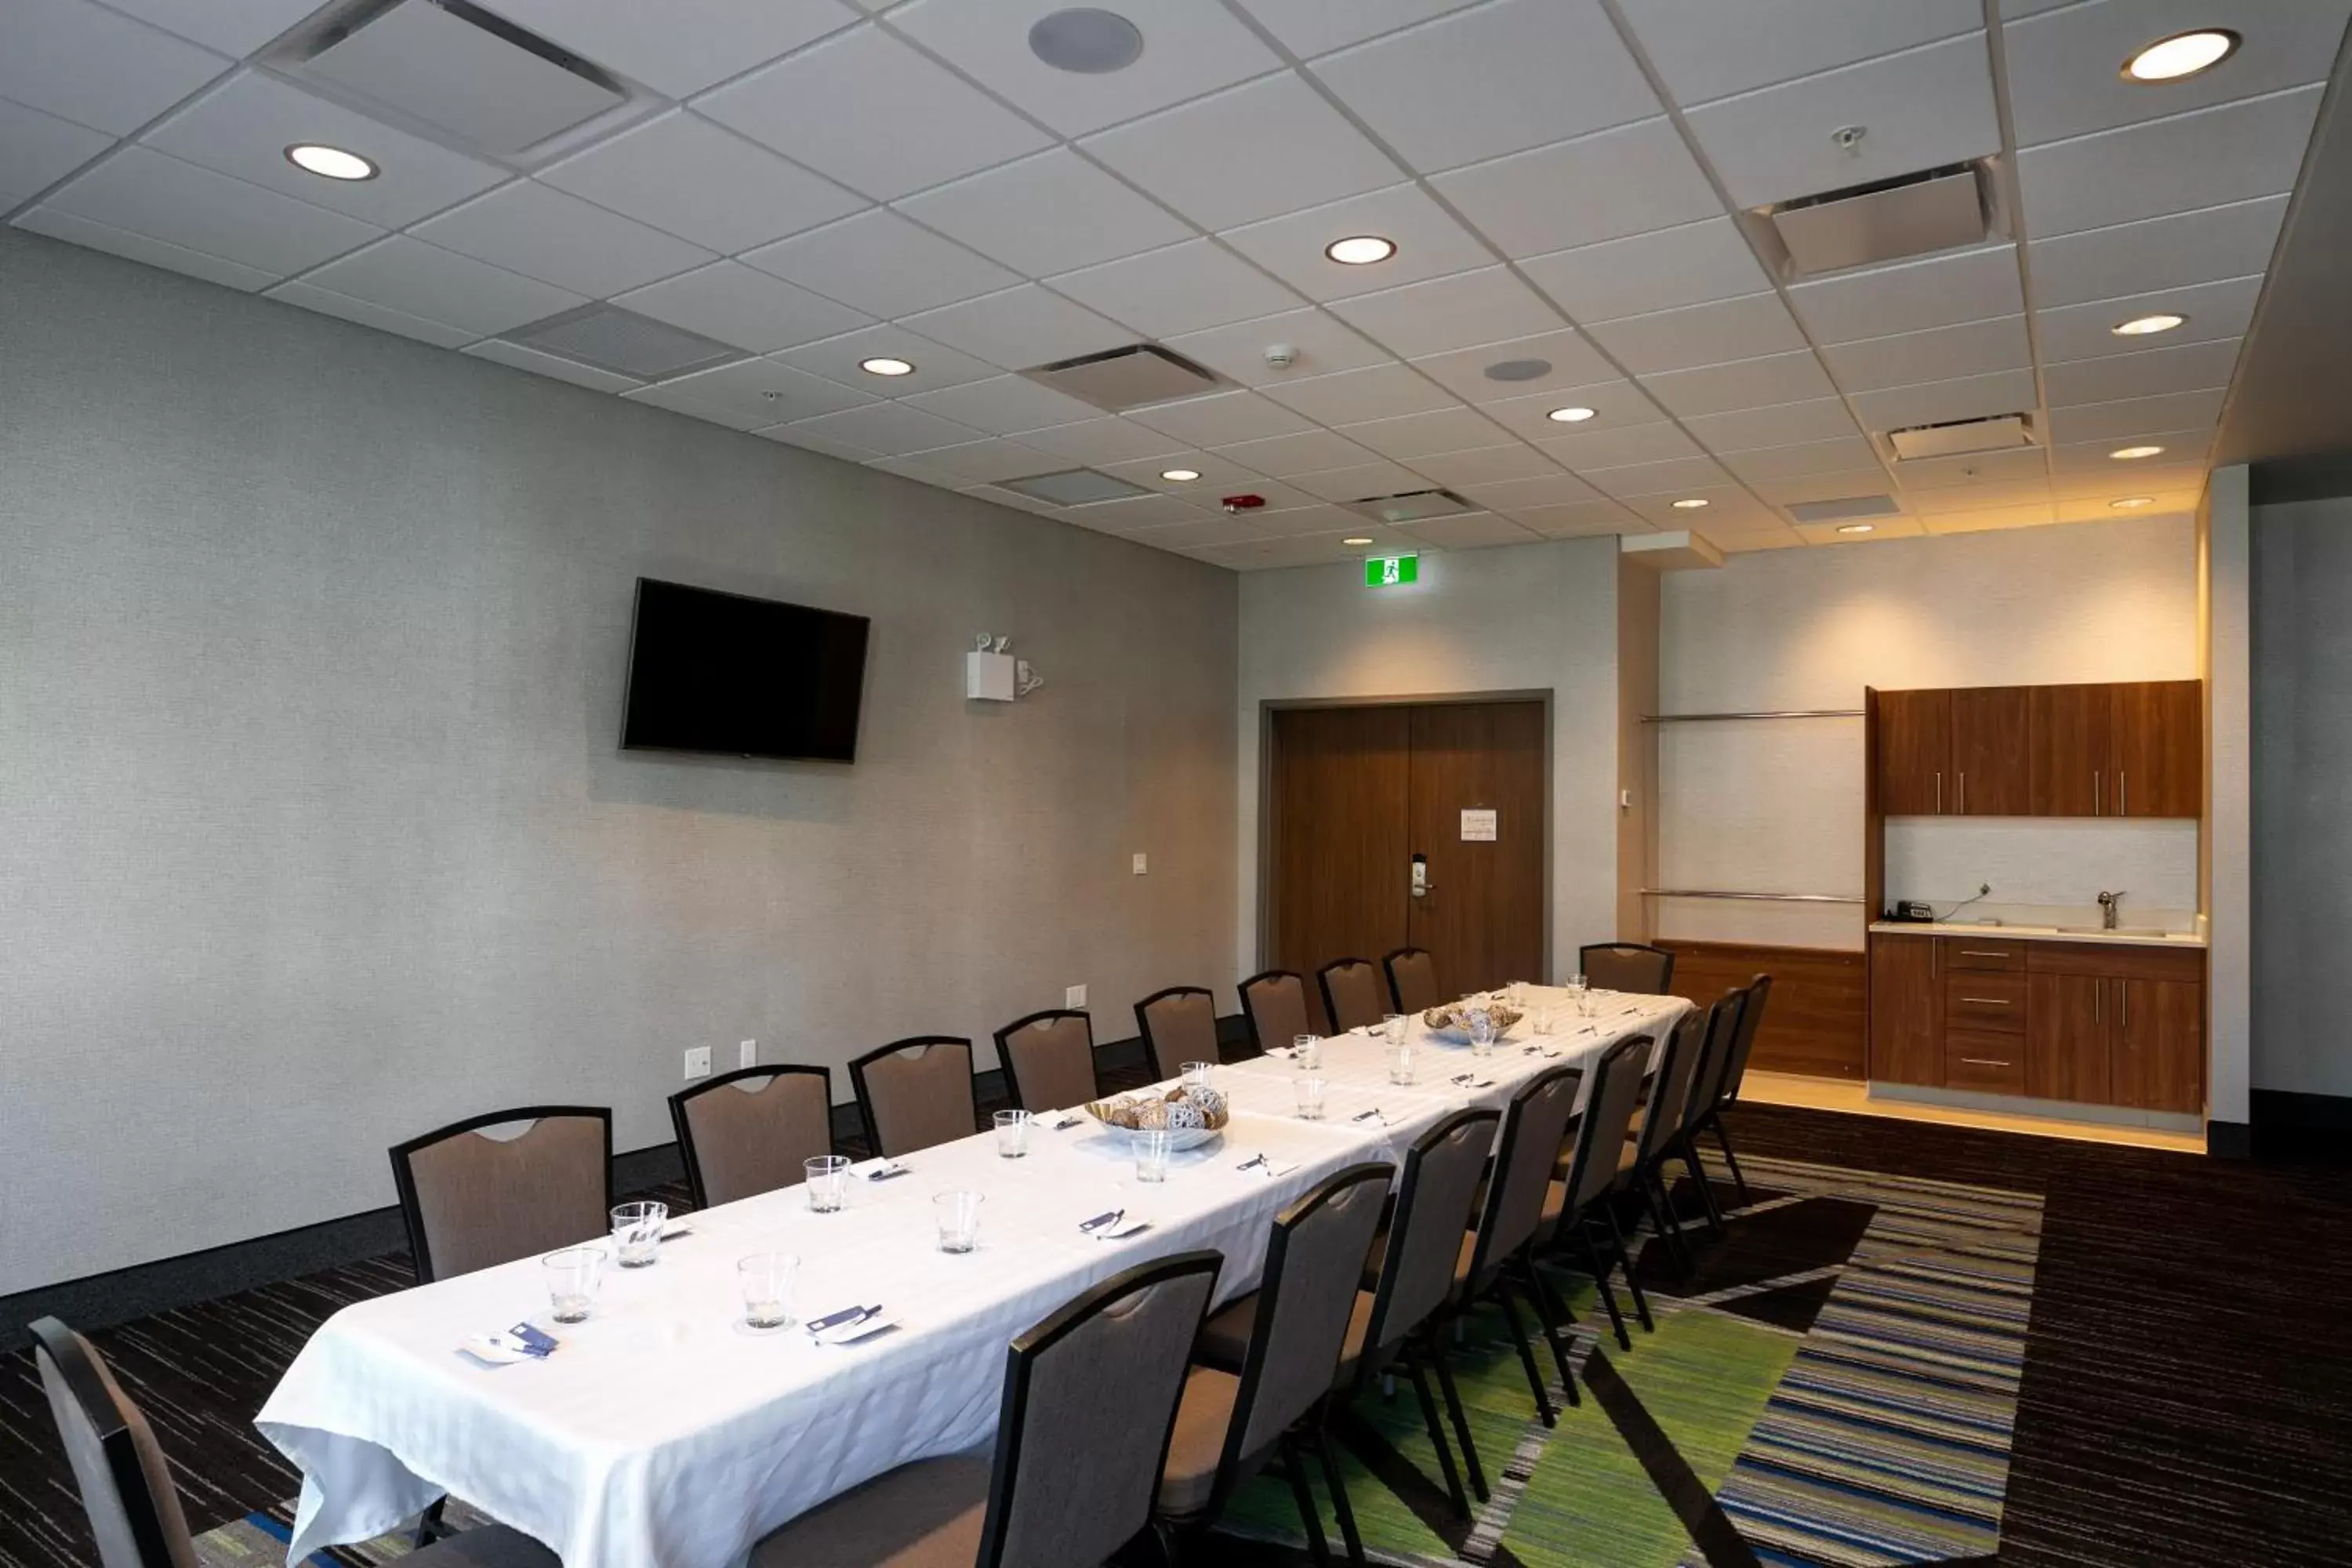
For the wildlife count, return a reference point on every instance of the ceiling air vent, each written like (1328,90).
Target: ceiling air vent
(623,341)
(1959,436)
(1118,379)
(1414,506)
(1885,220)
(1072,487)
(1842,507)
(472,74)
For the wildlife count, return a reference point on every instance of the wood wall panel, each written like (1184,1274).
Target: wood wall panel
(1816,1022)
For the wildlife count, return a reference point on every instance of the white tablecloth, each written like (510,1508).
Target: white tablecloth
(661,1433)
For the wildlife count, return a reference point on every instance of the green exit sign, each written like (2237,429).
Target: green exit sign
(1389,571)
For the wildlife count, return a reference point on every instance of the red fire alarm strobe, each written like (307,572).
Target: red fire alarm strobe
(1238,504)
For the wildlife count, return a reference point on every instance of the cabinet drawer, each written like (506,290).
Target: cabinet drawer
(1992,1063)
(2118,961)
(1979,953)
(1995,1002)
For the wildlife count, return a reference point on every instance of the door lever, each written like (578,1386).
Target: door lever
(1421,888)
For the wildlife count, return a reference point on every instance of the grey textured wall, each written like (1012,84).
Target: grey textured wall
(314,832)
(2302,794)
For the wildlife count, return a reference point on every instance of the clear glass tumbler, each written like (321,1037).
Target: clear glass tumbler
(1013,1133)
(637,1232)
(1307,1052)
(1311,1099)
(828,1182)
(1392,1026)
(1401,1063)
(1482,1031)
(572,1276)
(1196,1074)
(767,1280)
(959,1219)
(1152,1147)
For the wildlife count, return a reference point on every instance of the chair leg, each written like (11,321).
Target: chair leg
(1738,1180)
(1550,1310)
(1461,1499)
(1600,1279)
(1706,1188)
(1349,1535)
(1309,1516)
(429,1525)
(1461,1427)
(1668,1236)
(1527,1353)
(1625,1260)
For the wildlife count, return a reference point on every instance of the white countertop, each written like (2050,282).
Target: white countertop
(2036,933)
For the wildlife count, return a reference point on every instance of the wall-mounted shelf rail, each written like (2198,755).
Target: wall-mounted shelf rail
(1776,713)
(1766,897)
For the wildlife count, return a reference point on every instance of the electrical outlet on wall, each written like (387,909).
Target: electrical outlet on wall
(1143,864)
(1075,997)
(747,1055)
(697,1062)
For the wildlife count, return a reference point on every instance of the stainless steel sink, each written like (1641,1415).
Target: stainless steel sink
(2113,931)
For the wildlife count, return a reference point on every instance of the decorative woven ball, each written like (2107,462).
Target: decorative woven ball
(1185,1116)
(1150,1114)
(1212,1102)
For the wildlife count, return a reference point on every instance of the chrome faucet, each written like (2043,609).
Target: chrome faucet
(2108,904)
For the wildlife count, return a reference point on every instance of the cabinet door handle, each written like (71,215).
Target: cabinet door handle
(2098,1000)
(2122,1000)
(2096,794)
(1980,952)
(1983,1062)
(1939,793)
(1963,807)
(1984,1000)
(2123,793)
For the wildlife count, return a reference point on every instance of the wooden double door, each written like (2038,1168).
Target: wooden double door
(1412,825)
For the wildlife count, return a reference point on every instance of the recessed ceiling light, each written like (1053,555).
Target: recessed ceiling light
(1086,39)
(882,365)
(1360,249)
(2132,503)
(2181,55)
(2126,454)
(1355,539)
(1570,415)
(332,163)
(1180,476)
(1857,527)
(1690,503)
(2142,326)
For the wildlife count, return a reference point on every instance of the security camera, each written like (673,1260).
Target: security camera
(1281,356)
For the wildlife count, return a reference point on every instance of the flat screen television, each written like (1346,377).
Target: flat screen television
(743,677)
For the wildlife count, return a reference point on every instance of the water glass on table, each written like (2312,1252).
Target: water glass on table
(1482,1031)
(1311,1099)
(1196,1074)
(827,1181)
(1152,1146)
(767,1280)
(1393,1028)
(637,1232)
(957,1215)
(1400,1058)
(1012,1134)
(572,1276)
(1307,1052)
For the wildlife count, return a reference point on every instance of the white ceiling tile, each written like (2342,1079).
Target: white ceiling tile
(1687,265)
(1189,49)
(122,242)
(1498,79)
(1882,529)
(883,265)
(2128,419)
(1476,530)
(1252,151)
(1468,309)
(1310,28)
(236,28)
(327,302)
(2213,310)
(1939,353)
(2066,68)
(1518,496)
(1911,295)
(2177,505)
(2168,252)
(1615,404)
(1923,107)
(985,462)
(686,176)
(543,233)
(896,429)
(1138,513)
(1360,481)
(422,279)
(734,304)
(1319,341)
(1579,519)
(1180,289)
(37,149)
(817,441)
(1847,454)
(1424,434)
(244,127)
(2112,479)
(86,64)
(144,192)
(1514,463)
(1672,475)
(1020,328)
(2090,456)
(1779,424)
(1279,495)
(1705,49)
(1728,509)
(937,366)
(802,106)
(1220,419)
(670,398)
(1976,467)
(1939,401)
(1979,497)
(1742,384)
(769,393)
(1429,244)
(2226,154)
(1744,541)
(1628,444)
(1574,361)
(1843,485)
(1348,396)
(1746,328)
(1623,182)
(1004,405)
(1046,214)
(679,47)
(1307,452)
(1204,530)
(2033,516)
(1103,439)
(1218,476)
(520,358)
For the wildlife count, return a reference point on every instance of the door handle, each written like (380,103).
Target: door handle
(1421,888)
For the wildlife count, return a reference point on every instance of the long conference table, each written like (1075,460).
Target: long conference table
(662,1432)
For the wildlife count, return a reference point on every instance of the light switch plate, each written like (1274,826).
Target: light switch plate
(1075,997)
(747,1055)
(1143,864)
(697,1062)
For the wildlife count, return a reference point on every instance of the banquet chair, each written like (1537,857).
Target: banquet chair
(1082,1438)
(1722,1043)
(1413,980)
(749,1132)
(1352,993)
(1049,1060)
(1303,1329)
(1177,1025)
(126,1484)
(916,1093)
(1641,1164)
(1275,1003)
(1735,1071)
(1569,1207)
(471,1200)
(1630,966)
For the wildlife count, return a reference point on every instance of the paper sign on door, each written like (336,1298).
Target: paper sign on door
(1477,827)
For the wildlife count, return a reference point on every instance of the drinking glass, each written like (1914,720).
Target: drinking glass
(1588,1004)
(637,1232)
(1311,1099)
(1482,1031)
(1151,1145)
(1196,1074)
(1012,1134)
(573,1276)
(1542,1020)
(1400,1063)
(767,1280)
(828,1182)
(1307,1052)
(958,1218)
(1392,1025)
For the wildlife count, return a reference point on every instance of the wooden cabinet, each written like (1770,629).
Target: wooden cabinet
(2160,748)
(2072,743)
(1915,751)
(2130,750)
(2066,1042)
(1992,760)
(1906,1010)
(2156,1051)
